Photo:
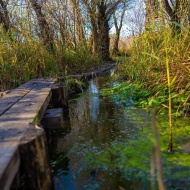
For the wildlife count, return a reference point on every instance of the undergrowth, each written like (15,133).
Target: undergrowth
(146,74)
(22,60)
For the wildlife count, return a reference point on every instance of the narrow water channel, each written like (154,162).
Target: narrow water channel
(91,150)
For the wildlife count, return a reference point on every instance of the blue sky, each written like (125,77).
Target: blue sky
(134,19)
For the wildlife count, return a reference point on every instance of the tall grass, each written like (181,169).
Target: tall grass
(19,62)
(29,58)
(77,61)
(169,94)
(159,61)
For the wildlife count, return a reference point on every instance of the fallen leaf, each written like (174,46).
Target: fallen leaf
(23,93)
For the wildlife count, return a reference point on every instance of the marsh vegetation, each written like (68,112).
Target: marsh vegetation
(59,38)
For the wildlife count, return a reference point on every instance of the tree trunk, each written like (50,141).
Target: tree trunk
(118,28)
(103,31)
(4,16)
(92,11)
(173,14)
(95,41)
(116,43)
(46,31)
(100,13)
(78,21)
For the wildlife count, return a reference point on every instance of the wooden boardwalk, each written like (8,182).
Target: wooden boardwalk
(18,110)
(22,141)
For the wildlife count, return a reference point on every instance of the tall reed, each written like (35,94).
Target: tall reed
(169,94)
(25,59)
(160,61)
(150,54)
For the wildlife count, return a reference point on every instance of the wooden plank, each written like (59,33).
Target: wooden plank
(10,99)
(9,157)
(20,107)
(9,165)
(5,106)
(17,94)
(31,107)
(90,74)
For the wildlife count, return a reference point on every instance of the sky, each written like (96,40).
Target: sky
(134,19)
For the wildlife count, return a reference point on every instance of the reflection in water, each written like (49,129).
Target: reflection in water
(84,153)
(95,123)
(94,101)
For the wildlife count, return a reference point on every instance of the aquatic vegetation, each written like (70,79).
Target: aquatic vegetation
(130,93)
(111,145)
(132,157)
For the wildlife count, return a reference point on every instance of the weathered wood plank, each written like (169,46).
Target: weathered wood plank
(90,74)
(7,101)
(9,157)
(20,107)
(9,166)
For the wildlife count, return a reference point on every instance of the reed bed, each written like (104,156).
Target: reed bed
(147,65)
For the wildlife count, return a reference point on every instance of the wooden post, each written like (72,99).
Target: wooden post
(35,167)
(53,118)
(59,97)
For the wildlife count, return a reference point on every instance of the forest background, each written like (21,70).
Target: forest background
(148,38)
(42,38)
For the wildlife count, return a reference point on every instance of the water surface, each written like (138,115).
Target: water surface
(104,145)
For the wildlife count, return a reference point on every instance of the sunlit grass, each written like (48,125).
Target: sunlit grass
(156,58)
(21,61)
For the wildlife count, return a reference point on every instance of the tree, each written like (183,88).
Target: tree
(78,21)
(103,29)
(92,10)
(4,16)
(178,12)
(173,13)
(46,31)
(100,13)
(65,22)
(118,27)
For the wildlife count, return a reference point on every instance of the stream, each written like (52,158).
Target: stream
(104,145)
